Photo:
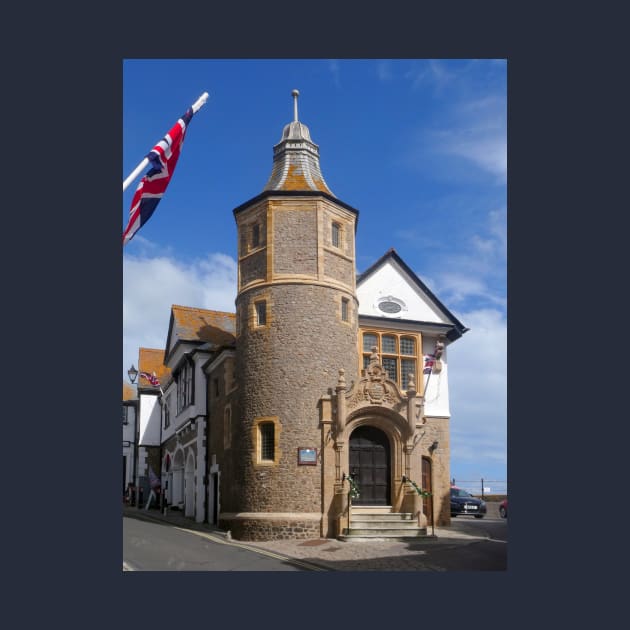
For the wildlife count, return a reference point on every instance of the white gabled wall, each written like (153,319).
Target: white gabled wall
(150,419)
(436,395)
(391,281)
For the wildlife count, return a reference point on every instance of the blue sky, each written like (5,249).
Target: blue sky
(419,147)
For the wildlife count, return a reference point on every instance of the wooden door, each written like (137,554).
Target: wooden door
(370,466)
(428,487)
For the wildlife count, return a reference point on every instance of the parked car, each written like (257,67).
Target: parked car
(463,502)
(503,508)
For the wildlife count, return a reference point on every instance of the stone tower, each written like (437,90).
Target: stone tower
(297,322)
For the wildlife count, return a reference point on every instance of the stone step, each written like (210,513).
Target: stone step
(371,509)
(380,518)
(388,534)
(402,525)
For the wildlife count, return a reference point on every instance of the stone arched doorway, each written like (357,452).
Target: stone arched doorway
(189,486)
(370,465)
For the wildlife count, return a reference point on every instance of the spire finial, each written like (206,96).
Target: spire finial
(295,94)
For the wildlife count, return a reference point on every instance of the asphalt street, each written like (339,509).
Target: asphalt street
(156,542)
(151,546)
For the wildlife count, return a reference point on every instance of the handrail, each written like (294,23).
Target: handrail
(422,493)
(354,489)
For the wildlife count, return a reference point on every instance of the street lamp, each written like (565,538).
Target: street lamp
(133,374)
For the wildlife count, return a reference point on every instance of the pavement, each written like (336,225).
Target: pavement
(331,554)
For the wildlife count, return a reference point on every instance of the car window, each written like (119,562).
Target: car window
(457,492)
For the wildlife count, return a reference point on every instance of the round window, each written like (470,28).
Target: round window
(390,307)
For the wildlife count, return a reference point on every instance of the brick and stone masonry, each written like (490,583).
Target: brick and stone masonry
(286,365)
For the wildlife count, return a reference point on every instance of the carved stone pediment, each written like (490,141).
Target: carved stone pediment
(375,388)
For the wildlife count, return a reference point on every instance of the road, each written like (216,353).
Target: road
(485,555)
(151,546)
(493,527)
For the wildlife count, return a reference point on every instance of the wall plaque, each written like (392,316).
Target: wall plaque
(307,456)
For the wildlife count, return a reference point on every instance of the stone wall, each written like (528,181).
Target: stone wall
(271,529)
(286,368)
(295,241)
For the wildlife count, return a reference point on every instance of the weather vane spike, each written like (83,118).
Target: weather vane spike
(295,94)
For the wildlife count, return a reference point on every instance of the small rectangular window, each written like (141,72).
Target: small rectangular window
(167,412)
(336,232)
(389,344)
(391,367)
(216,386)
(256,236)
(184,379)
(408,346)
(267,441)
(344,309)
(369,341)
(407,367)
(261,313)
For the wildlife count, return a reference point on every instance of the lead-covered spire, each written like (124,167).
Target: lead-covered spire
(296,159)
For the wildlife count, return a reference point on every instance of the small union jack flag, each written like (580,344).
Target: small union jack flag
(163,159)
(152,378)
(429,362)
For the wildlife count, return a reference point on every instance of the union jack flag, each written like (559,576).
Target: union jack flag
(163,159)
(429,362)
(152,378)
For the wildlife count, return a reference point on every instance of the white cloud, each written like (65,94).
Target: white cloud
(477,132)
(486,148)
(478,390)
(432,72)
(457,287)
(152,284)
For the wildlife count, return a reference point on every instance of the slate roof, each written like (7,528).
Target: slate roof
(296,160)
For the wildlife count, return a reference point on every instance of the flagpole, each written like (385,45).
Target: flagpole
(197,105)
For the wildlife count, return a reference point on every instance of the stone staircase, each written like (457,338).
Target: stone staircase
(379,522)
